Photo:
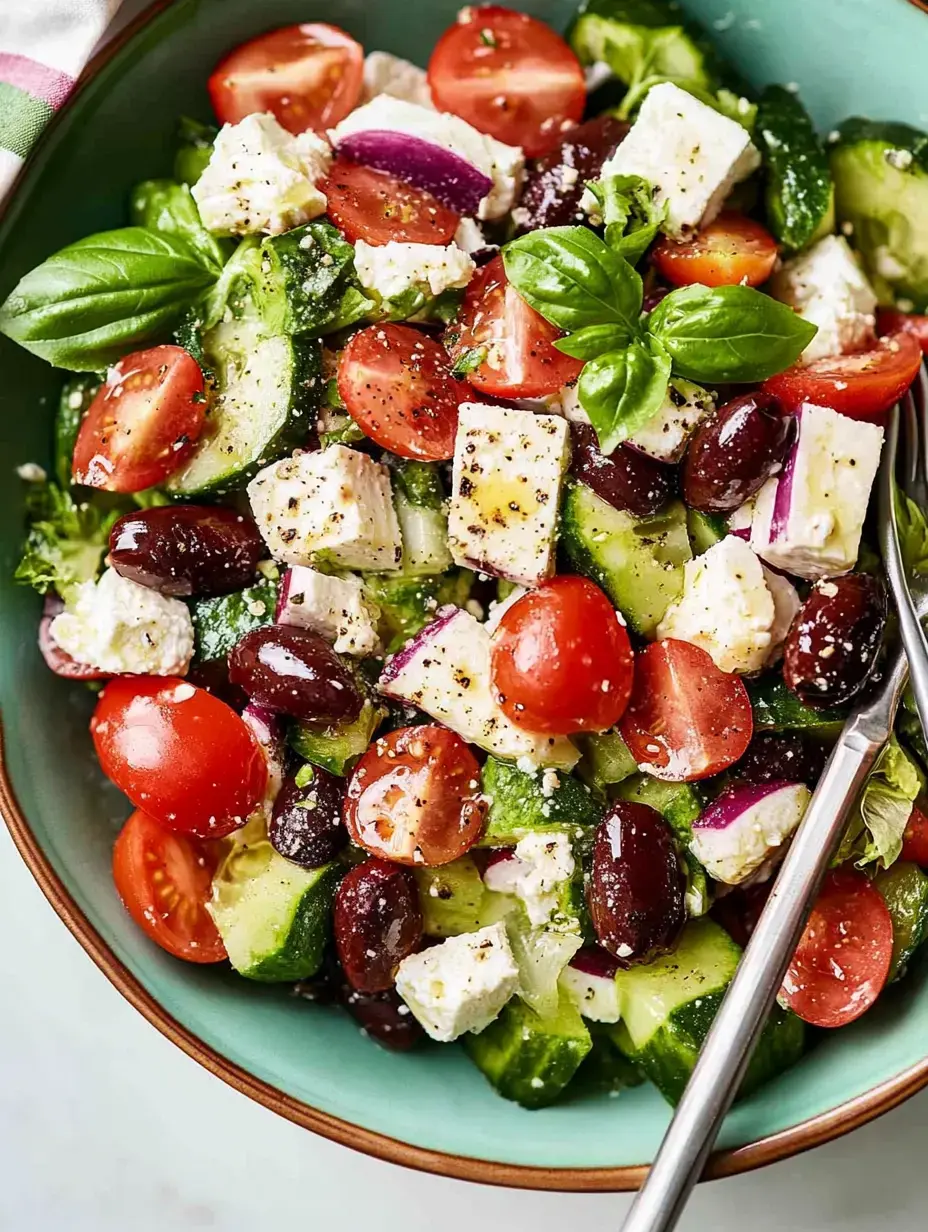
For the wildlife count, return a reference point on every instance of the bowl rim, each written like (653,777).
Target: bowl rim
(815,1131)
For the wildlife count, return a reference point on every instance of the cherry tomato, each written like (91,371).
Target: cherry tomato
(687,719)
(374,206)
(165,882)
(915,838)
(892,321)
(143,423)
(309,76)
(560,660)
(843,957)
(414,797)
(179,753)
(510,76)
(521,360)
(731,250)
(862,386)
(397,386)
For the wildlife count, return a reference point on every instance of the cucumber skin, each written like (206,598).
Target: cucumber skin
(220,622)
(68,421)
(300,956)
(677,803)
(517,802)
(905,890)
(800,193)
(776,709)
(336,749)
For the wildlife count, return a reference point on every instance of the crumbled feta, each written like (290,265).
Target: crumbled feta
(391,269)
(808,519)
(535,873)
(260,178)
(666,436)
(506,484)
(386,74)
(31,472)
(499,607)
(827,287)
(503,164)
(118,626)
(786,605)
(690,153)
(733,852)
(460,985)
(595,996)
(726,607)
(333,607)
(469,236)
(330,505)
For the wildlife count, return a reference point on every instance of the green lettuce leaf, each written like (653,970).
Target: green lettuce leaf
(874,833)
(65,543)
(913,533)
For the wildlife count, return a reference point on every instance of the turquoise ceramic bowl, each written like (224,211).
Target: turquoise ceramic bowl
(431,1110)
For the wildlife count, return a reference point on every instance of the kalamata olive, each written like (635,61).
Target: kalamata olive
(213,676)
(554,184)
(377,922)
(781,757)
(295,672)
(733,454)
(306,824)
(833,644)
(187,549)
(385,1018)
(626,479)
(637,884)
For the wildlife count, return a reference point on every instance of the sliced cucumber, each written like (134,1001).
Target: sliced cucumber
(800,194)
(425,537)
(777,709)
(606,759)
(905,888)
(220,622)
(338,747)
(705,530)
(454,900)
(519,804)
(677,803)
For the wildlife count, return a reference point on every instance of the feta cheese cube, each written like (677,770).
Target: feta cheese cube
(503,164)
(690,153)
(390,270)
(460,985)
(666,436)
(260,178)
(331,506)
(827,287)
(506,486)
(726,607)
(333,607)
(535,872)
(386,74)
(747,827)
(786,605)
(469,236)
(808,519)
(445,671)
(589,980)
(118,626)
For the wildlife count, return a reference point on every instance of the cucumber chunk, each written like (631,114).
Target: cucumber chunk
(800,192)
(336,748)
(677,803)
(530,1059)
(777,709)
(606,759)
(905,889)
(604,1070)
(220,622)
(705,530)
(519,806)
(408,604)
(76,396)
(454,900)
(637,561)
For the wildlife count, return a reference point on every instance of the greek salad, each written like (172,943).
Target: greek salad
(459,506)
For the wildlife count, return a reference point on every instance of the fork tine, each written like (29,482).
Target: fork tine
(914,462)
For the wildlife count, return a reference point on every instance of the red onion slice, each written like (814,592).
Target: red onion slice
(779,519)
(447,176)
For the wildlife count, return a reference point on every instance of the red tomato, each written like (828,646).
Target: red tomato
(843,957)
(510,76)
(731,250)
(915,839)
(414,797)
(560,661)
(179,753)
(396,384)
(143,423)
(374,206)
(891,321)
(165,882)
(521,360)
(309,76)
(687,719)
(862,386)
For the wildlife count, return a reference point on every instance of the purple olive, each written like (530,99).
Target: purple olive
(781,757)
(626,479)
(377,923)
(295,672)
(306,824)
(637,884)
(733,454)
(385,1018)
(834,642)
(187,549)
(554,184)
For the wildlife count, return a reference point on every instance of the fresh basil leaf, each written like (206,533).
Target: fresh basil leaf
(622,390)
(194,149)
(469,361)
(728,334)
(94,301)
(594,340)
(574,279)
(169,207)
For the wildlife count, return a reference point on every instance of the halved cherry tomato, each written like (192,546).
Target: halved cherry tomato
(843,957)
(915,838)
(510,76)
(731,250)
(309,76)
(143,423)
(521,360)
(179,753)
(414,797)
(374,206)
(863,385)
(687,719)
(396,384)
(560,660)
(165,882)
(892,321)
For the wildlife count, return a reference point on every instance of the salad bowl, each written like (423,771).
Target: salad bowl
(428,1109)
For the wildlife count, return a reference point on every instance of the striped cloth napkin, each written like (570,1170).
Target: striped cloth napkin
(44,45)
